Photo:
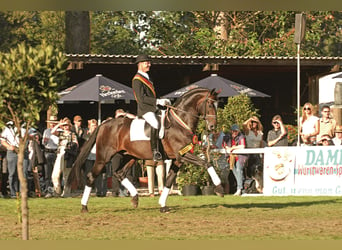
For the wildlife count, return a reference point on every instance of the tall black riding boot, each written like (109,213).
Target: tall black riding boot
(155,145)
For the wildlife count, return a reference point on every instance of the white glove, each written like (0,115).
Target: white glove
(163,102)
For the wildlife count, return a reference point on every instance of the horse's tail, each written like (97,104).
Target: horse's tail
(75,174)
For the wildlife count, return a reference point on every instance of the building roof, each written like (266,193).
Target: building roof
(200,60)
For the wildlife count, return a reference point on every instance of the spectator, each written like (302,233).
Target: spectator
(337,140)
(3,172)
(309,125)
(101,179)
(231,142)
(325,141)
(50,143)
(122,113)
(67,139)
(10,140)
(36,158)
(253,131)
(153,167)
(278,135)
(327,124)
(78,129)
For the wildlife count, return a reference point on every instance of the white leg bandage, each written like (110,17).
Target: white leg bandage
(162,128)
(163,197)
(131,189)
(216,179)
(85,196)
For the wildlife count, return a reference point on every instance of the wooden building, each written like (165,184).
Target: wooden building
(275,76)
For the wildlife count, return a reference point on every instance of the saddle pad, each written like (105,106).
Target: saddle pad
(137,130)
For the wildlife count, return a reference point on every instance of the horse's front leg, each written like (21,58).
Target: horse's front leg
(219,190)
(168,183)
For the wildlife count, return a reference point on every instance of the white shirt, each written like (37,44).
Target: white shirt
(337,141)
(10,135)
(144,74)
(52,140)
(308,127)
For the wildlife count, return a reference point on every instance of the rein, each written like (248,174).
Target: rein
(181,122)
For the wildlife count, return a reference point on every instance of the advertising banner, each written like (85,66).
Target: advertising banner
(315,170)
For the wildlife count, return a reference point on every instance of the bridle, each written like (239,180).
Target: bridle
(172,109)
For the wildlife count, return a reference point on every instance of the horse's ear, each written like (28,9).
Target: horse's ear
(214,92)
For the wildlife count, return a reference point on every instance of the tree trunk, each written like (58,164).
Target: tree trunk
(77,32)
(23,190)
(221,27)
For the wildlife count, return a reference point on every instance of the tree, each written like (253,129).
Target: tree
(77,32)
(29,80)
(237,110)
(31,27)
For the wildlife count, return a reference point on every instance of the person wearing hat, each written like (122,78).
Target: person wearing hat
(325,140)
(50,143)
(232,141)
(337,140)
(65,138)
(10,140)
(147,101)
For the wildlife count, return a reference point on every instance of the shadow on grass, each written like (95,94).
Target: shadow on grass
(272,205)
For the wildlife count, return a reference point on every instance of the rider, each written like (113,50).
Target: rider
(147,101)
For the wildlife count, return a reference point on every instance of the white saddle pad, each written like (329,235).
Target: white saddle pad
(137,130)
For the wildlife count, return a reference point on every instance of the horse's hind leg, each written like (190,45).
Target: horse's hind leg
(120,173)
(91,176)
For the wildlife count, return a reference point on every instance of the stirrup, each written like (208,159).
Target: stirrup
(157,155)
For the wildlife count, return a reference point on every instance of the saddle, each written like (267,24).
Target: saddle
(140,130)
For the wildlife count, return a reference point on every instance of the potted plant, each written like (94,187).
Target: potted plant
(143,180)
(190,178)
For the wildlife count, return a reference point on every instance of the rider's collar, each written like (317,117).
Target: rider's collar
(144,74)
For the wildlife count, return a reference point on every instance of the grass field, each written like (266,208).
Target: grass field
(191,218)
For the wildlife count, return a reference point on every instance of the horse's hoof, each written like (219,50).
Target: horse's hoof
(165,210)
(84,209)
(219,190)
(135,201)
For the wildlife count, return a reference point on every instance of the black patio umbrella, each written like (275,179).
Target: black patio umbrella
(227,87)
(98,89)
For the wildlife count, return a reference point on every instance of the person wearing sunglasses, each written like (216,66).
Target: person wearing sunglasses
(309,125)
(278,135)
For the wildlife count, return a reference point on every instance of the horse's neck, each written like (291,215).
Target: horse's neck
(188,116)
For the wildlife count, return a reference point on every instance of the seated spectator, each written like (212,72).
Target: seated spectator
(325,141)
(337,140)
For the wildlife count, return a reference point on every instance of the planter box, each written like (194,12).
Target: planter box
(208,190)
(143,181)
(190,190)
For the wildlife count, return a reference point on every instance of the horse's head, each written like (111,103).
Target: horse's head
(194,104)
(207,108)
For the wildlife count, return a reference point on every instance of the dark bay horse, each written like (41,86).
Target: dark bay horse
(113,137)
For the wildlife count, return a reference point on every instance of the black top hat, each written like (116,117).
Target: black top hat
(142,58)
